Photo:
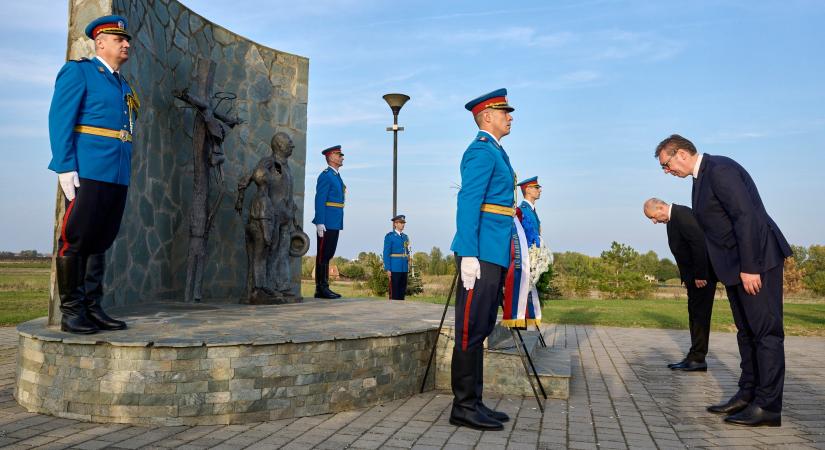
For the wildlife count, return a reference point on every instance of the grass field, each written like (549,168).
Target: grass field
(803,317)
(24,291)
(24,295)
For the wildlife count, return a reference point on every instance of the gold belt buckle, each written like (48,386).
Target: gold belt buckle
(124,136)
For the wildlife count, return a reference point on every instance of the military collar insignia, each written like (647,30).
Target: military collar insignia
(100,69)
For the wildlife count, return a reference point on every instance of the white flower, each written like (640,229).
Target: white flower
(540,260)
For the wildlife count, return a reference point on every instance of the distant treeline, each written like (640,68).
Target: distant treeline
(619,272)
(23,254)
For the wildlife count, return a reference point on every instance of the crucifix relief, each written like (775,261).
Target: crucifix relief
(208,134)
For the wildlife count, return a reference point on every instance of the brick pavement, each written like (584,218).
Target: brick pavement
(621,396)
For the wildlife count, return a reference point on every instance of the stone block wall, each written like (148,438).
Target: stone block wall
(148,259)
(221,384)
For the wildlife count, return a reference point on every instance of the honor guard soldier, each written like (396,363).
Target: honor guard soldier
(397,258)
(329,218)
(531,191)
(91,122)
(484,227)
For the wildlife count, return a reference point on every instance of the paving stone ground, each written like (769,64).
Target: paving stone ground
(621,396)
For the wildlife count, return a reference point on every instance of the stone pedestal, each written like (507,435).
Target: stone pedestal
(182,364)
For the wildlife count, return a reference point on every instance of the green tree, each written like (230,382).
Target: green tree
(414,283)
(666,270)
(622,276)
(421,262)
(574,273)
(547,285)
(378,281)
(28,254)
(793,276)
(307,267)
(648,263)
(814,267)
(352,270)
(437,265)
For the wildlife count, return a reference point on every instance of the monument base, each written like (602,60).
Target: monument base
(199,364)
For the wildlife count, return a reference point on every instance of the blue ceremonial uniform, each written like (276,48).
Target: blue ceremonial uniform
(396,252)
(91,117)
(87,94)
(486,178)
(530,221)
(484,227)
(329,200)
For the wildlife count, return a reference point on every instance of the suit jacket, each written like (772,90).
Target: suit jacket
(330,192)
(396,252)
(687,243)
(87,93)
(741,236)
(486,177)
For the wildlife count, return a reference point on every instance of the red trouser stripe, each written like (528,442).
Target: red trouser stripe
(508,284)
(63,228)
(320,256)
(465,333)
(389,291)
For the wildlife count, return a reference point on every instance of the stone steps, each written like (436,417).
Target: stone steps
(503,369)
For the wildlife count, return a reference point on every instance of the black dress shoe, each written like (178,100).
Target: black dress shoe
(474,419)
(672,365)
(691,366)
(754,416)
(732,406)
(497,415)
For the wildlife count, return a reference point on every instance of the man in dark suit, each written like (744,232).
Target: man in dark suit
(747,251)
(687,243)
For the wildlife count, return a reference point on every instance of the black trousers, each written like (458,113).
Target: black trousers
(761,339)
(476,309)
(398,285)
(326,247)
(700,308)
(92,219)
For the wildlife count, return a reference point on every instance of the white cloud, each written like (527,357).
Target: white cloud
(521,36)
(569,80)
(21,67)
(620,44)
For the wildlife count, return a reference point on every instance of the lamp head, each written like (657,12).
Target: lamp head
(396,101)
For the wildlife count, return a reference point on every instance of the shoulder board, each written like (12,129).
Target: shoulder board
(83,59)
(482,138)
(325,170)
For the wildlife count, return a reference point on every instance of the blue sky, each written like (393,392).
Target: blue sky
(596,85)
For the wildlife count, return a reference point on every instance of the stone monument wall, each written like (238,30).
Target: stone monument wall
(148,259)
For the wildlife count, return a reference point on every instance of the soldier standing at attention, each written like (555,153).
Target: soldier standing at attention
(484,227)
(329,218)
(531,191)
(397,258)
(91,122)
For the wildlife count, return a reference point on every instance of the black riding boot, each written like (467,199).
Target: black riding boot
(465,412)
(322,282)
(497,415)
(95,269)
(70,272)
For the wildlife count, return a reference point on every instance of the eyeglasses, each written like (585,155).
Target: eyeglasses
(666,164)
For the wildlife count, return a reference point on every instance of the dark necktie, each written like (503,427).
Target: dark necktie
(693,193)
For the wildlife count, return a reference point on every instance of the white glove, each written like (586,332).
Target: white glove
(470,271)
(321,228)
(69,181)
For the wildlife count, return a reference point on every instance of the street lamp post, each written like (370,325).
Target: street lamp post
(396,101)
